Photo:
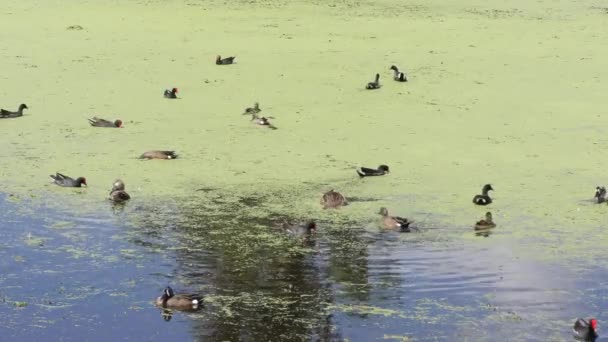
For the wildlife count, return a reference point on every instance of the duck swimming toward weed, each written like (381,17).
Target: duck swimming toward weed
(395,222)
(158,155)
(171,94)
(600,194)
(375,84)
(398,76)
(367,172)
(485,224)
(99,122)
(300,229)
(118,193)
(333,199)
(224,61)
(180,301)
(483,199)
(5,114)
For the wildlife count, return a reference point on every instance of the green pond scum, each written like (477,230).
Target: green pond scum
(511,93)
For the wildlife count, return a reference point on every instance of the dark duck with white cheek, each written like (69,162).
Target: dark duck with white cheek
(118,193)
(585,330)
(224,61)
(99,122)
(5,114)
(63,180)
(368,172)
(179,301)
(398,76)
(375,84)
(483,199)
(171,94)
(600,194)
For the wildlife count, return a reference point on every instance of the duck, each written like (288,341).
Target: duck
(118,193)
(395,222)
(485,224)
(483,199)
(262,121)
(585,330)
(225,61)
(375,84)
(171,94)
(600,194)
(4,114)
(333,199)
(63,180)
(367,172)
(299,229)
(399,76)
(159,155)
(253,110)
(181,301)
(99,122)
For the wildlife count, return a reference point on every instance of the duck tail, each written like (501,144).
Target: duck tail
(360,173)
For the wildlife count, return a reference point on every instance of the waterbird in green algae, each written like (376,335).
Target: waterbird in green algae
(5,114)
(600,194)
(333,199)
(99,122)
(398,76)
(171,94)
(368,172)
(252,110)
(63,180)
(224,61)
(483,199)
(486,223)
(299,229)
(261,121)
(375,84)
(585,330)
(179,301)
(159,155)
(118,193)
(395,222)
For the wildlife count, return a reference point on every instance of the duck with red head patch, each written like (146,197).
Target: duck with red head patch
(99,122)
(65,181)
(171,94)
(585,330)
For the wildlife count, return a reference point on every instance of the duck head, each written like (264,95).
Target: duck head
(218,59)
(394,67)
(167,293)
(487,188)
(489,216)
(383,168)
(23,106)
(311,227)
(593,325)
(600,192)
(174,90)
(383,211)
(82,181)
(118,185)
(118,123)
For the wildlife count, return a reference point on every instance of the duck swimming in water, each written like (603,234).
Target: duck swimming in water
(261,121)
(158,155)
(5,114)
(483,199)
(300,229)
(65,181)
(171,94)
(333,199)
(399,76)
(179,301)
(585,330)
(224,61)
(252,110)
(118,193)
(600,194)
(395,222)
(485,224)
(375,84)
(99,122)
(367,172)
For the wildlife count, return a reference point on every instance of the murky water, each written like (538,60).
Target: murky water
(96,275)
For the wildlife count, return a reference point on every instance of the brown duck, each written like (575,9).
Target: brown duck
(159,155)
(395,222)
(333,199)
(180,301)
(485,224)
(118,193)
(99,122)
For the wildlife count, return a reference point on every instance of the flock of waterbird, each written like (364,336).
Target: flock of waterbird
(583,329)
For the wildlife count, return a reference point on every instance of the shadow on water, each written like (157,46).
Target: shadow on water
(79,275)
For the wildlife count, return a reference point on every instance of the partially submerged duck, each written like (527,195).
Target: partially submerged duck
(600,194)
(159,155)
(179,301)
(171,94)
(485,224)
(5,114)
(375,84)
(300,229)
(65,181)
(261,121)
(333,199)
(252,110)
(398,76)
(118,193)
(224,61)
(367,172)
(585,330)
(99,122)
(483,199)
(395,222)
